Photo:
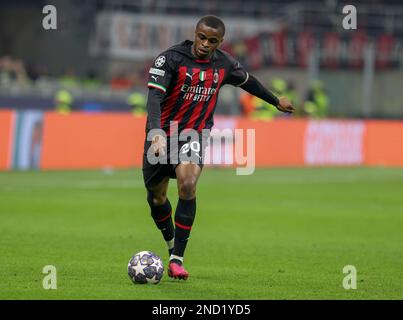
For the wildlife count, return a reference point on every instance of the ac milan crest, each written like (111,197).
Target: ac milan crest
(216,76)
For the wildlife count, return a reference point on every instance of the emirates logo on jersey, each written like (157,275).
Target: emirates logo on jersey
(197,93)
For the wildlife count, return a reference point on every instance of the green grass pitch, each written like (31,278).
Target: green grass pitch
(281,233)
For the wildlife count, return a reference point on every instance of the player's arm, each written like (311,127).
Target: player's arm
(160,76)
(254,87)
(239,77)
(155,97)
(154,100)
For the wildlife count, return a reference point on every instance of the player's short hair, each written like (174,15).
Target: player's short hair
(212,22)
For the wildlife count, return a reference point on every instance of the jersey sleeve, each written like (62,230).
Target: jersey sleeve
(237,74)
(161,72)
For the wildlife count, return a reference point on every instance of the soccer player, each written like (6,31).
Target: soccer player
(184,82)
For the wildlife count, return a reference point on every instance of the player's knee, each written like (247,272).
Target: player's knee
(187,189)
(159,200)
(156,199)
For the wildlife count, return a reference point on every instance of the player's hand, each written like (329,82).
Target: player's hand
(285,105)
(159,144)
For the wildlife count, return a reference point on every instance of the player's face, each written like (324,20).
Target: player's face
(207,39)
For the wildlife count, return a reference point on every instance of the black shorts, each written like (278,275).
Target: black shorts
(192,150)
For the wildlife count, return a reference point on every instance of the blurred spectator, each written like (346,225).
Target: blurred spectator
(63,101)
(278,86)
(91,81)
(240,51)
(12,70)
(264,110)
(317,101)
(138,102)
(32,71)
(292,94)
(69,79)
(247,103)
(255,108)
(121,82)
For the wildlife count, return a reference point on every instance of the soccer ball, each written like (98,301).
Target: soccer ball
(145,267)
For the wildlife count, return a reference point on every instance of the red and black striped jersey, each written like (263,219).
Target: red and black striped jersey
(191,86)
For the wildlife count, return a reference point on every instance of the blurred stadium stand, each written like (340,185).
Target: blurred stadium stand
(271,38)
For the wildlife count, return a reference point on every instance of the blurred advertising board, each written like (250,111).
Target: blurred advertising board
(142,36)
(335,50)
(80,140)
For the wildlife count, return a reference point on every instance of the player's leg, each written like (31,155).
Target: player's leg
(187,175)
(161,211)
(156,180)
